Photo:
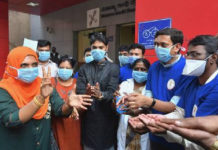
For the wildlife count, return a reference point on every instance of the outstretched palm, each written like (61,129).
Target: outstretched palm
(80,101)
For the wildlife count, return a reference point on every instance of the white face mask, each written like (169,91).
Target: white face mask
(194,67)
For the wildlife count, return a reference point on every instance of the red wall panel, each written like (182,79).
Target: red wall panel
(3,10)
(4,48)
(192,17)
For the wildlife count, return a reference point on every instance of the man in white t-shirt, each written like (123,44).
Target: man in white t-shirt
(44,52)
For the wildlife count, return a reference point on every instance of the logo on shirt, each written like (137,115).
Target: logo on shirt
(194,111)
(171,84)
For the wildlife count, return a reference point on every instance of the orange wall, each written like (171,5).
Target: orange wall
(4,48)
(193,17)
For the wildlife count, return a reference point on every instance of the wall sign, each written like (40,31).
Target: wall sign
(147,31)
(126,6)
(93,17)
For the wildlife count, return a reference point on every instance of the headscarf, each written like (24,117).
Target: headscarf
(21,92)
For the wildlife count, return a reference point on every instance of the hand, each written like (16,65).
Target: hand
(88,89)
(150,121)
(75,114)
(201,137)
(137,125)
(122,100)
(201,130)
(95,91)
(79,101)
(208,123)
(116,93)
(46,87)
(135,101)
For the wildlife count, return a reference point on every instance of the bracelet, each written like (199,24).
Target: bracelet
(35,100)
(153,103)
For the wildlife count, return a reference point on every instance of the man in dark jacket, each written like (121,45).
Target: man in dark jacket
(100,79)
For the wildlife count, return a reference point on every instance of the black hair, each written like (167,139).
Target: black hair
(87,50)
(139,46)
(67,58)
(144,61)
(123,48)
(176,35)
(208,41)
(98,36)
(43,43)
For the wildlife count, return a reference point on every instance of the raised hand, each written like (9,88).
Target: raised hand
(46,87)
(95,91)
(88,89)
(79,101)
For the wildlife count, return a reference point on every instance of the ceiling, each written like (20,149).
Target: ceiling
(45,6)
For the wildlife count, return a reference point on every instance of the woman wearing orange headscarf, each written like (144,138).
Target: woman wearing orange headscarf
(26,103)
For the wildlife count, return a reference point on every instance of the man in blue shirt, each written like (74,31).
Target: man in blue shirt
(163,79)
(136,51)
(199,97)
(123,57)
(87,59)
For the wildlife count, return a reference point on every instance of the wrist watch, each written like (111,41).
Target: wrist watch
(215,144)
(153,103)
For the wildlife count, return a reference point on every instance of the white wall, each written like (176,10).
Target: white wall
(19,28)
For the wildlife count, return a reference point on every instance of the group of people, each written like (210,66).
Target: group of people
(170,104)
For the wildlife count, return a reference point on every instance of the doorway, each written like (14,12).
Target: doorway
(84,41)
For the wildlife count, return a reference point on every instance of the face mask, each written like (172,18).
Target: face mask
(163,54)
(98,54)
(44,55)
(139,76)
(89,59)
(65,74)
(132,59)
(194,67)
(27,75)
(123,60)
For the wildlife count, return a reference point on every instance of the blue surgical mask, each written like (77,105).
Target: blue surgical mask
(27,75)
(123,60)
(44,55)
(65,74)
(132,59)
(89,59)
(98,54)
(163,54)
(139,76)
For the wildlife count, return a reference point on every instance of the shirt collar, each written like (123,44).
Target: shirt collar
(212,76)
(49,62)
(169,65)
